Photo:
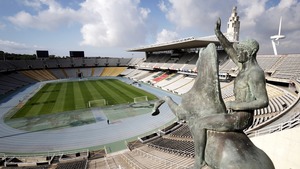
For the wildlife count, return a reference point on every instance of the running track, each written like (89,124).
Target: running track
(99,133)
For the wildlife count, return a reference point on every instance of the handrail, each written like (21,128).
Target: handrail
(106,163)
(164,161)
(130,162)
(279,127)
(171,150)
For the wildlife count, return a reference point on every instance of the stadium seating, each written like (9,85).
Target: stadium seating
(78,164)
(64,63)
(51,63)
(102,61)
(108,162)
(77,62)
(145,157)
(171,79)
(266,62)
(112,71)
(6,66)
(182,132)
(179,83)
(39,75)
(228,67)
(149,78)
(176,148)
(140,74)
(90,62)
(127,71)
(124,62)
(35,64)
(11,81)
(173,146)
(159,78)
(185,88)
(86,72)
(97,71)
(58,73)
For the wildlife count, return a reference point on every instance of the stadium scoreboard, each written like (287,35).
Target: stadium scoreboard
(76,53)
(42,54)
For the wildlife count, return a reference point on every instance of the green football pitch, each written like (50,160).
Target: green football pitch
(68,96)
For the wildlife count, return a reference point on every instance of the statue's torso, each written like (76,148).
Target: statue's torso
(242,90)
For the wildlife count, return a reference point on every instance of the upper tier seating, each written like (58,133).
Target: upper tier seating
(77,62)
(51,63)
(90,62)
(6,66)
(288,67)
(64,62)
(35,64)
(135,61)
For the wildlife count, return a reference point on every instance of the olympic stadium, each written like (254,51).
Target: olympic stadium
(126,135)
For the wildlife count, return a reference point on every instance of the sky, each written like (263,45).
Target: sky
(108,28)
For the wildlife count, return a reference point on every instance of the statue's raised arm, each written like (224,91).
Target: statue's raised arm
(228,46)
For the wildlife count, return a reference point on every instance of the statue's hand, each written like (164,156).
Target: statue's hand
(218,25)
(167,98)
(234,105)
(230,105)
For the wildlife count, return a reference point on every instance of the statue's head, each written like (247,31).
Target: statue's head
(247,50)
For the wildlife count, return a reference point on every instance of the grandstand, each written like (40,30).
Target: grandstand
(151,142)
(175,147)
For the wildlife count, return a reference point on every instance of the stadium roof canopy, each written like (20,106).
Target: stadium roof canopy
(185,43)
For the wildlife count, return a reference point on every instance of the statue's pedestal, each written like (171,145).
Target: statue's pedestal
(234,150)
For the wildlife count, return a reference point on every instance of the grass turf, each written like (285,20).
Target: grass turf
(68,96)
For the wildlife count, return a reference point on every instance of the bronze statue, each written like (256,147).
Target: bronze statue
(218,133)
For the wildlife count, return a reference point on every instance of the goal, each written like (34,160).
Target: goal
(140,99)
(97,103)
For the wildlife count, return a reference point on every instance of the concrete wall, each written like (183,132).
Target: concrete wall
(282,147)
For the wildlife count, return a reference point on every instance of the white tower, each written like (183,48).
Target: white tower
(275,38)
(233,25)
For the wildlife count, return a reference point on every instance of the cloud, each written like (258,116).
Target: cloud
(103,23)
(251,11)
(15,47)
(2,26)
(145,12)
(114,23)
(36,4)
(162,6)
(165,36)
(197,14)
(52,17)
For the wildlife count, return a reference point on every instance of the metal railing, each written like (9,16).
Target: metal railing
(293,122)
(168,163)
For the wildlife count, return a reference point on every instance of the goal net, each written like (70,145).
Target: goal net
(97,103)
(140,99)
